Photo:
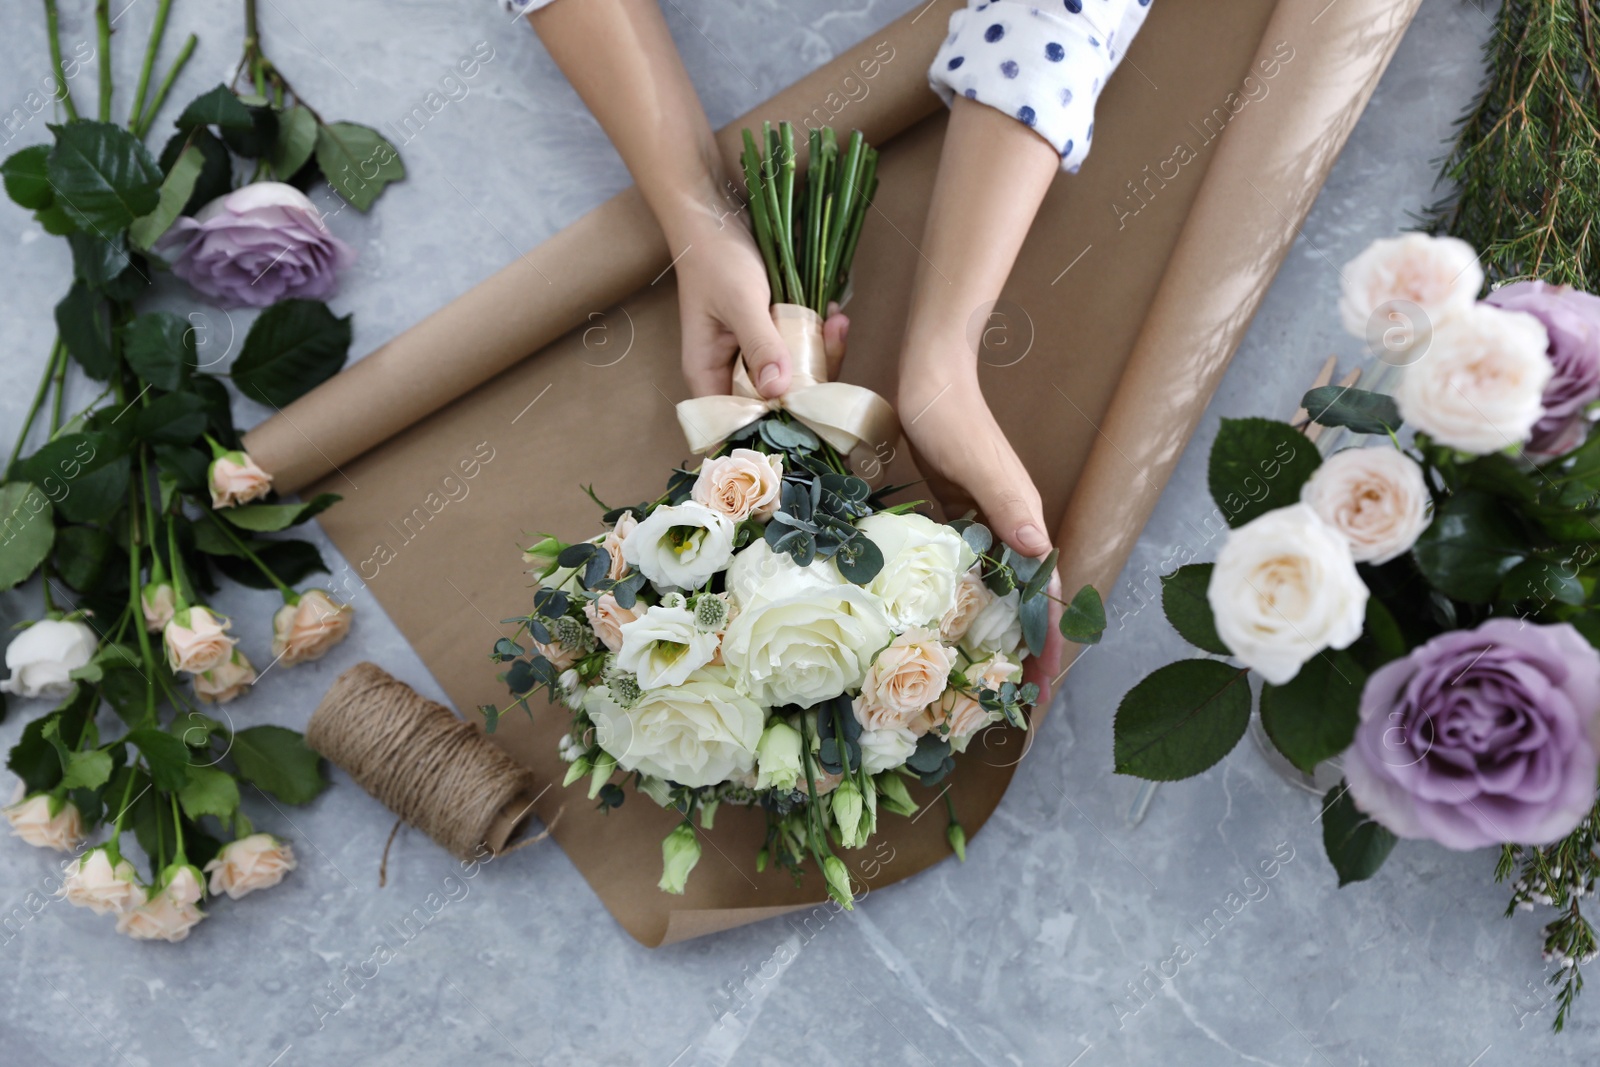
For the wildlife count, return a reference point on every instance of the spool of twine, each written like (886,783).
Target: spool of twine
(430,768)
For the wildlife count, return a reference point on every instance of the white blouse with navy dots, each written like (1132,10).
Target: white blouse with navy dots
(1042,63)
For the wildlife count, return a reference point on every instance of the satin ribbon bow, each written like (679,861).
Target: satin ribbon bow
(841,414)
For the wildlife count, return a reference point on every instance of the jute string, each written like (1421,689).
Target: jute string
(430,768)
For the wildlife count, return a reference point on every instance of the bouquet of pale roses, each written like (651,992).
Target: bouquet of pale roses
(770,631)
(1420,607)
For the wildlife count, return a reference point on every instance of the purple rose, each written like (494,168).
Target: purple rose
(1481,737)
(1572,319)
(256,246)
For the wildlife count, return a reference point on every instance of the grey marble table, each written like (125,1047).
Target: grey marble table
(1051,946)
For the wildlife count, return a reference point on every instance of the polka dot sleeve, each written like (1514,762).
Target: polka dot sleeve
(1043,65)
(522,7)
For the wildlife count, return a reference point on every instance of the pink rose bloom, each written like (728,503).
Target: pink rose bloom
(235,479)
(256,246)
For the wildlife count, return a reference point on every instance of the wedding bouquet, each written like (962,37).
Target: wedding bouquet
(770,631)
(1421,605)
(135,503)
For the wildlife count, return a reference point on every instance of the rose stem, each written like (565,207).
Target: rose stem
(166,85)
(157,31)
(102,22)
(136,597)
(53,23)
(289,595)
(38,400)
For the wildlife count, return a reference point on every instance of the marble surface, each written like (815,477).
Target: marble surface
(1058,943)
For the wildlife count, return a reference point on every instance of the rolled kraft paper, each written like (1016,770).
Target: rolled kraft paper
(586,268)
(431,529)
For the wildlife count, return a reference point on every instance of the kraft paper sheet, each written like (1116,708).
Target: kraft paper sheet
(1130,295)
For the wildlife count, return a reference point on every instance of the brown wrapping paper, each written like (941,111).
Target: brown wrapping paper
(1132,291)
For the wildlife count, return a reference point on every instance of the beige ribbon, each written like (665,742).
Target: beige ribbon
(841,414)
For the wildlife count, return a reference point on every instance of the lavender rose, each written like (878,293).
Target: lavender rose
(1572,319)
(1481,737)
(256,246)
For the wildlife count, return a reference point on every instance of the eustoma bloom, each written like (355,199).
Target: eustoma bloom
(1481,737)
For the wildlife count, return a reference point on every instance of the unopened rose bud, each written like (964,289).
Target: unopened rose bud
(235,479)
(159,601)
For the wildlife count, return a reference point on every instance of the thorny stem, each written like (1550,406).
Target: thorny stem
(52,22)
(166,85)
(157,32)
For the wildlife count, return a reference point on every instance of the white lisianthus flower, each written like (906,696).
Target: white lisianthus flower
(798,640)
(42,658)
(701,732)
(680,547)
(923,562)
(664,646)
(997,628)
(1283,589)
(1439,275)
(1480,387)
(1375,497)
(884,750)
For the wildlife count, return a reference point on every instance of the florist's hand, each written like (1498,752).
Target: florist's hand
(724,304)
(970,466)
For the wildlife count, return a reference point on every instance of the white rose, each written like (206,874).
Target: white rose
(696,734)
(801,642)
(1375,497)
(997,628)
(664,646)
(680,547)
(92,882)
(922,564)
(250,863)
(884,750)
(757,568)
(42,658)
(741,485)
(1480,386)
(1284,588)
(1440,275)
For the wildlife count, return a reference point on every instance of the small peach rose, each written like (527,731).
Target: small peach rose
(250,863)
(230,679)
(169,915)
(92,882)
(304,631)
(743,484)
(613,542)
(906,677)
(956,715)
(160,603)
(32,820)
(1375,497)
(235,479)
(972,596)
(607,617)
(197,640)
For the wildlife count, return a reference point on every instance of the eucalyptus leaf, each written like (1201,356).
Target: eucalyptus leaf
(1083,620)
(1357,409)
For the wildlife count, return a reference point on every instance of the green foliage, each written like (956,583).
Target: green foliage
(1313,716)
(1356,845)
(1083,620)
(102,175)
(1257,466)
(1181,719)
(1183,598)
(1359,410)
(277,761)
(27,522)
(358,162)
(1470,547)
(291,348)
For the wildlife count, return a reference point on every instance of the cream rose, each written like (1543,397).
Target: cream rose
(922,563)
(757,568)
(699,733)
(905,677)
(1283,589)
(884,750)
(159,602)
(306,630)
(742,485)
(972,596)
(613,541)
(607,617)
(91,881)
(996,628)
(663,646)
(250,863)
(32,820)
(170,914)
(228,680)
(957,715)
(801,641)
(1375,497)
(680,547)
(1440,275)
(42,658)
(235,479)
(1480,386)
(197,640)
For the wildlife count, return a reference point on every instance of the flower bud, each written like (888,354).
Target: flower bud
(235,479)
(838,877)
(958,840)
(44,822)
(541,555)
(893,793)
(605,765)
(159,601)
(680,851)
(196,640)
(92,881)
(849,814)
(580,767)
(778,757)
(306,629)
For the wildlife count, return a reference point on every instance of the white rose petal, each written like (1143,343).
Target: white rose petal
(680,547)
(1284,588)
(699,733)
(42,658)
(759,573)
(806,647)
(922,564)
(1440,276)
(997,628)
(1375,497)
(884,750)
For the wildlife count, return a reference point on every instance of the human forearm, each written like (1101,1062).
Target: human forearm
(623,63)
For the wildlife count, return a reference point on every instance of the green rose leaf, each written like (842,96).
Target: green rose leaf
(277,761)
(291,561)
(358,162)
(81,553)
(297,139)
(102,175)
(1181,719)
(81,321)
(1083,621)
(165,755)
(266,518)
(86,770)
(1356,845)
(217,107)
(159,346)
(1359,410)
(27,520)
(176,189)
(1543,581)
(216,172)
(86,474)
(291,348)
(209,791)
(1188,609)
(173,419)
(1313,716)
(258,138)
(26,180)
(98,261)
(1258,465)
(1470,547)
